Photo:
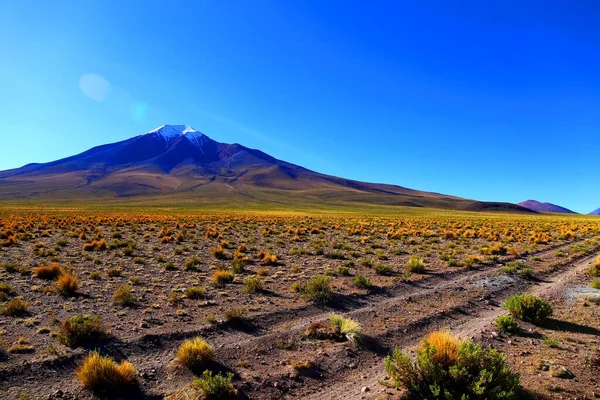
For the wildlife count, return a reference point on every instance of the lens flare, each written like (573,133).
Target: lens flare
(94,86)
(138,111)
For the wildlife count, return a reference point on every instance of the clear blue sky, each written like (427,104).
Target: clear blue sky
(492,100)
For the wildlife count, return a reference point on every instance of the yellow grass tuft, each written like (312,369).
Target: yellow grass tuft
(49,272)
(99,372)
(195,353)
(67,284)
(446,346)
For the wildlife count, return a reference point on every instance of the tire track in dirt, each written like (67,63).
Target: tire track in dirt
(467,325)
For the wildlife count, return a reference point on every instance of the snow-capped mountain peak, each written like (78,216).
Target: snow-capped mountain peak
(170,132)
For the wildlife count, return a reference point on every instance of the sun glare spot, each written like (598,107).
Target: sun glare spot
(94,86)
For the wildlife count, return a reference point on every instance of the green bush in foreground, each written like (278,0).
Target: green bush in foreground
(317,289)
(415,265)
(460,370)
(507,324)
(528,308)
(215,386)
(81,330)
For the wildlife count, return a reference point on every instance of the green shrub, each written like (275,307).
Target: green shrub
(361,282)
(415,265)
(15,307)
(235,314)
(191,264)
(507,324)
(526,273)
(81,330)
(595,284)
(551,342)
(5,290)
(343,271)
(215,386)
(594,270)
(453,369)
(528,308)
(365,262)
(252,285)
(317,289)
(336,255)
(123,297)
(195,292)
(381,269)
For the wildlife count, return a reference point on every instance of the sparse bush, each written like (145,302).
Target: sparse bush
(95,275)
(195,292)
(21,346)
(252,284)
(219,253)
(347,326)
(100,373)
(594,270)
(365,262)
(15,307)
(215,387)
(191,264)
(526,273)
(551,342)
(114,272)
(528,308)
(235,314)
(335,255)
(220,278)
(195,353)
(317,289)
(595,284)
(49,272)
(447,368)
(269,259)
(123,296)
(95,245)
(67,284)
(415,265)
(343,271)
(361,282)
(9,267)
(381,269)
(507,323)
(81,330)
(5,290)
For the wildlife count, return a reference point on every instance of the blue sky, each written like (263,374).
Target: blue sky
(485,100)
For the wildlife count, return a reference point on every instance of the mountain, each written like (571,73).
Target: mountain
(595,212)
(176,163)
(545,207)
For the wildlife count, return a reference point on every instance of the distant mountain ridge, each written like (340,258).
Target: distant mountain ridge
(176,163)
(537,206)
(595,212)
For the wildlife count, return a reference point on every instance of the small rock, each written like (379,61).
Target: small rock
(559,371)
(364,389)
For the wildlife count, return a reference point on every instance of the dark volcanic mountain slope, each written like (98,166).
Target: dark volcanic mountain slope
(545,207)
(183,164)
(595,212)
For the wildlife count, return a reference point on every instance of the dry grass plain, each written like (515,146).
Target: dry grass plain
(134,285)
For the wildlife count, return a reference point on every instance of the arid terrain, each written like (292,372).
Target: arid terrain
(242,282)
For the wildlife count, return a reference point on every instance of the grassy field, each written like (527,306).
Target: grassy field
(247,286)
